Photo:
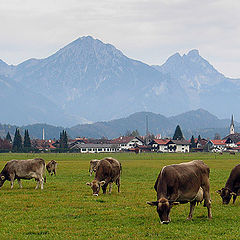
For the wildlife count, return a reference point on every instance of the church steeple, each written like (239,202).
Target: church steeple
(232,130)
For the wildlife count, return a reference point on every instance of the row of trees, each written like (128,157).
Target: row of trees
(19,144)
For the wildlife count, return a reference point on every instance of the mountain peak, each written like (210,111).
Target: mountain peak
(193,53)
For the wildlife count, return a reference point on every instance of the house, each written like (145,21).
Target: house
(168,145)
(216,145)
(95,148)
(178,146)
(125,143)
(43,145)
(159,145)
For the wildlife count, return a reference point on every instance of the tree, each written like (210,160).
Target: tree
(8,137)
(135,133)
(17,141)
(27,141)
(193,144)
(217,136)
(63,140)
(199,138)
(178,134)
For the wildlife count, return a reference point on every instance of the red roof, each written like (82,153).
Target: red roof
(161,141)
(123,140)
(218,142)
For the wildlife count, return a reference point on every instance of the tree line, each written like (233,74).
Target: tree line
(24,144)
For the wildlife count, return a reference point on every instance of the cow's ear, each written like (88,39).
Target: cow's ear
(3,177)
(102,183)
(153,203)
(89,184)
(175,203)
(219,191)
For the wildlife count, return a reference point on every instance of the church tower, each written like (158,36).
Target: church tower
(232,130)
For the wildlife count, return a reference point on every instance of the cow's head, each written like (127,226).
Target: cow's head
(226,195)
(163,209)
(95,185)
(2,179)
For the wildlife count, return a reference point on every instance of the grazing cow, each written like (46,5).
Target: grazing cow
(23,169)
(108,171)
(182,183)
(93,165)
(232,186)
(51,167)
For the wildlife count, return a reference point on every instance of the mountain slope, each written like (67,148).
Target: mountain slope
(19,105)
(93,80)
(204,85)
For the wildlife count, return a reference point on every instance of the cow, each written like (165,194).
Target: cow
(93,165)
(182,183)
(232,186)
(108,171)
(23,169)
(51,167)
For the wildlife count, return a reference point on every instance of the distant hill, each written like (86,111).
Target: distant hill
(198,122)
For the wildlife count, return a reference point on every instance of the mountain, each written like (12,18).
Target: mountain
(19,105)
(198,122)
(204,85)
(90,81)
(93,81)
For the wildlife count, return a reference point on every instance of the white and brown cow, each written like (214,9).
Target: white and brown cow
(52,167)
(108,170)
(93,166)
(182,183)
(23,169)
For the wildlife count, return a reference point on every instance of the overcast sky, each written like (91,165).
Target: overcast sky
(146,30)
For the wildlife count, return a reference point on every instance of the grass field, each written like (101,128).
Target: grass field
(66,209)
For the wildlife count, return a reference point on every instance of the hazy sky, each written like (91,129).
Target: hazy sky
(146,30)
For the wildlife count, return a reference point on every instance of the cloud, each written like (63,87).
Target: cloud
(149,31)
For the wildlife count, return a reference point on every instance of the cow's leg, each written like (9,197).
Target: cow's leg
(37,183)
(104,187)
(12,178)
(54,171)
(118,184)
(41,182)
(206,196)
(234,198)
(19,182)
(110,187)
(12,183)
(192,206)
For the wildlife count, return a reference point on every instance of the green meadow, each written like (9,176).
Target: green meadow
(66,209)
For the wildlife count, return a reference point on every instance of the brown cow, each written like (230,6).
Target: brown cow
(108,171)
(182,183)
(51,167)
(23,169)
(232,186)
(93,166)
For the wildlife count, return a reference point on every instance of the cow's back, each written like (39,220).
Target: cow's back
(103,170)
(108,167)
(234,178)
(21,167)
(185,177)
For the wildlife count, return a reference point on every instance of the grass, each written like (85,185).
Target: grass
(66,209)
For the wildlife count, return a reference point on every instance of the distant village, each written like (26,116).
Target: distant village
(132,142)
